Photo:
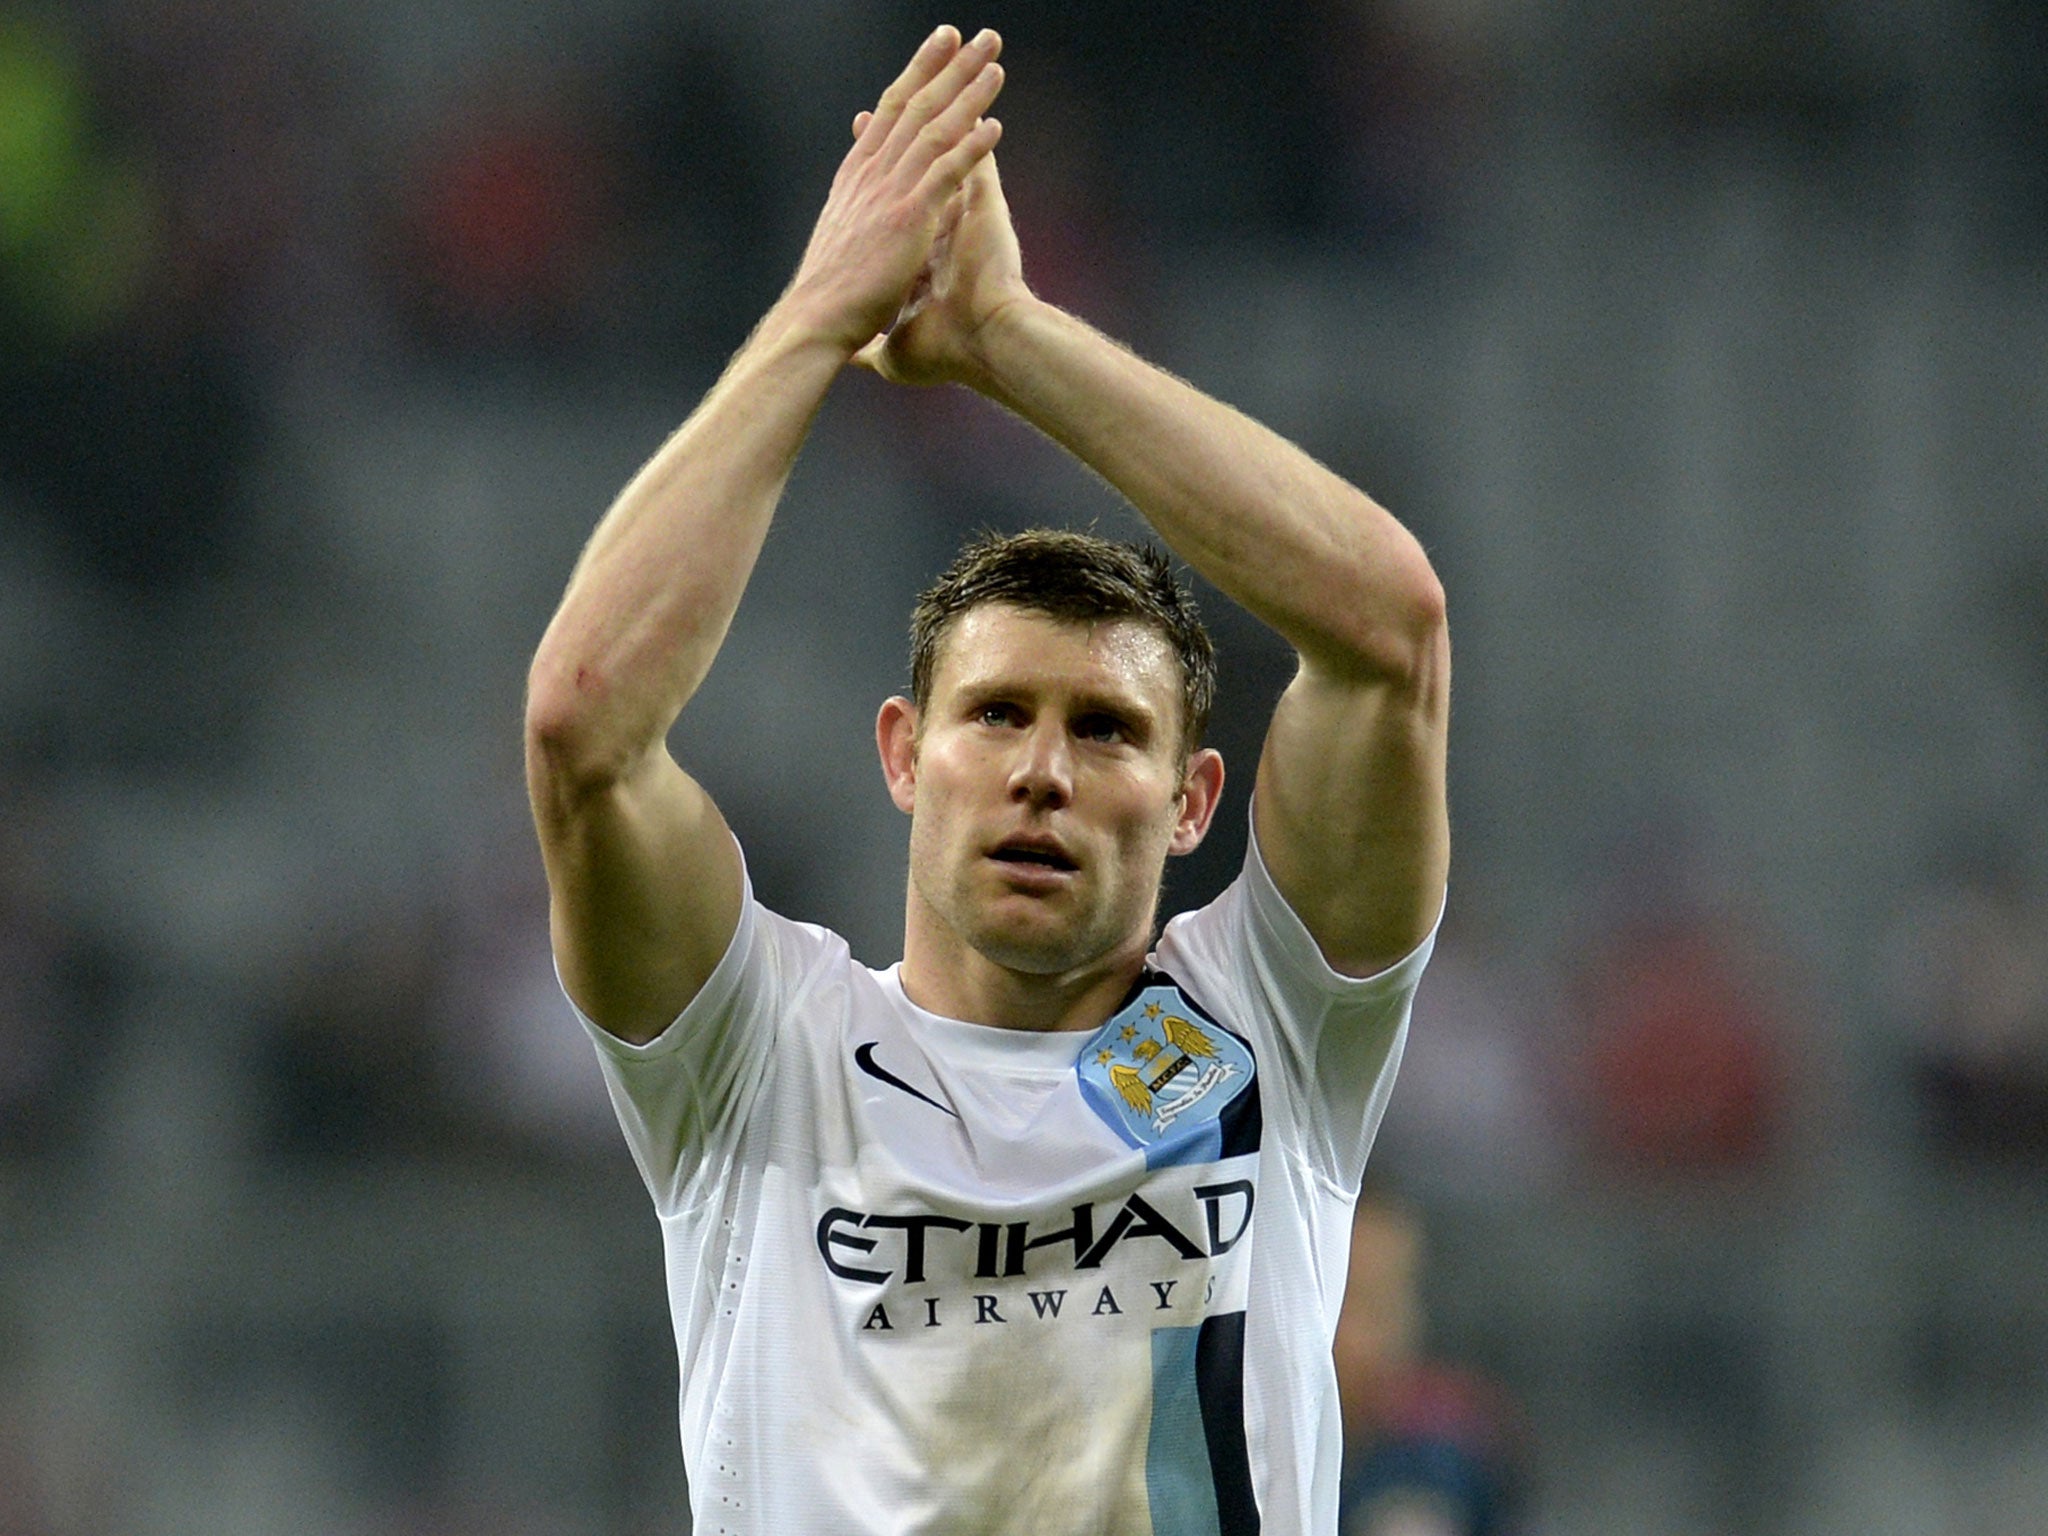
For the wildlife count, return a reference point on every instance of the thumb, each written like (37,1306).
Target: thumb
(870,356)
(984,184)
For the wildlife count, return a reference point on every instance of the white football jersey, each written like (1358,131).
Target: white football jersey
(931,1276)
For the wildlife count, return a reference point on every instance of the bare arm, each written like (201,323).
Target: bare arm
(642,873)
(1351,804)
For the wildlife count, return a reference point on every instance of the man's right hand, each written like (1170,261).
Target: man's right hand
(892,190)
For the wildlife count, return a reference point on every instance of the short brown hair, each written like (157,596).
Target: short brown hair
(1077,578)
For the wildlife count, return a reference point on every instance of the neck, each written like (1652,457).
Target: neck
(943,974)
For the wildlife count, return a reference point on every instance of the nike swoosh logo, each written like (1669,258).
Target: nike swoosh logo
(864,1058)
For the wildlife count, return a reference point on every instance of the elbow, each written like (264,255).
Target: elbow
(1398,631)
(566,754)
(1422,607)
(555,709)
(1414,647)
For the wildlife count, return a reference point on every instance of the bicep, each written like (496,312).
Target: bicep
(1351,808)
(645,886)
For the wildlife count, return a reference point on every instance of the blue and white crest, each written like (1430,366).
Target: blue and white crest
(1162,1074)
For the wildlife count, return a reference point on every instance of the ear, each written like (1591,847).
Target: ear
(896,742)
(1200,793)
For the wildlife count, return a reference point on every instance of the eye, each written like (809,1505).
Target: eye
(998,714)
(1103,728)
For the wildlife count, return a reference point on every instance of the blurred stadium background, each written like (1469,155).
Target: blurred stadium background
(1706,347)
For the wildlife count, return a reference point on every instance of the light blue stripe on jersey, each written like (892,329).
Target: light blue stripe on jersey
(1178,1482)
(1201,1142)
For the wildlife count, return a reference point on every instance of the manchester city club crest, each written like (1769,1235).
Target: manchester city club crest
(1162,1074)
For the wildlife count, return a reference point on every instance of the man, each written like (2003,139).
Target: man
(1431,1448)
(1043,1230)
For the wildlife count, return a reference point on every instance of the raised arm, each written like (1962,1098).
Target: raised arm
(1350,803)
(643,876)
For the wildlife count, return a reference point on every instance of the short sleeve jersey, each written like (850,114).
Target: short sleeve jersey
(932,1276)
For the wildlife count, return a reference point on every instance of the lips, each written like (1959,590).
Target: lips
(1033,853)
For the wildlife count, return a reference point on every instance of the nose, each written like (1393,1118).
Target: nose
(1042,772)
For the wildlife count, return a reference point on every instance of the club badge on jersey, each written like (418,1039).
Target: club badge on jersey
(1161,1073)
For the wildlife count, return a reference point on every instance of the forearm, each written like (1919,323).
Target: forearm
(652,596)
(1299,547)
(656,588)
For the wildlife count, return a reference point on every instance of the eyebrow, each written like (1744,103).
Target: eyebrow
(1087,701)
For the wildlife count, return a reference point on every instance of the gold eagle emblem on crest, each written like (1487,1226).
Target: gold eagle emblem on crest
(1127,1082)
(1187,1036)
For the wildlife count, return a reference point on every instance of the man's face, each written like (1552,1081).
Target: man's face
(1046,788)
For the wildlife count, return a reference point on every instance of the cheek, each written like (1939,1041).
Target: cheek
(1157,812)
(937,820)
(1144,837)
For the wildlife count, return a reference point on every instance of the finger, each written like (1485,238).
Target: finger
(962,74)
(931,57)
(961,118)
(860,122)
(956,164)
(983,182)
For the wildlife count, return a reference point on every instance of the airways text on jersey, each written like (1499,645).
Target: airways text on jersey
(1176,1245)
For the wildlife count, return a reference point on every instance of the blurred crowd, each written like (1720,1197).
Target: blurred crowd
(216,220)
(206,204)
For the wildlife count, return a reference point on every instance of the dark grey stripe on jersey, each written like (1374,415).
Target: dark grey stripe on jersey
(1219,1384)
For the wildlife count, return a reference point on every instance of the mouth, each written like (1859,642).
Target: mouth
(1021,853)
